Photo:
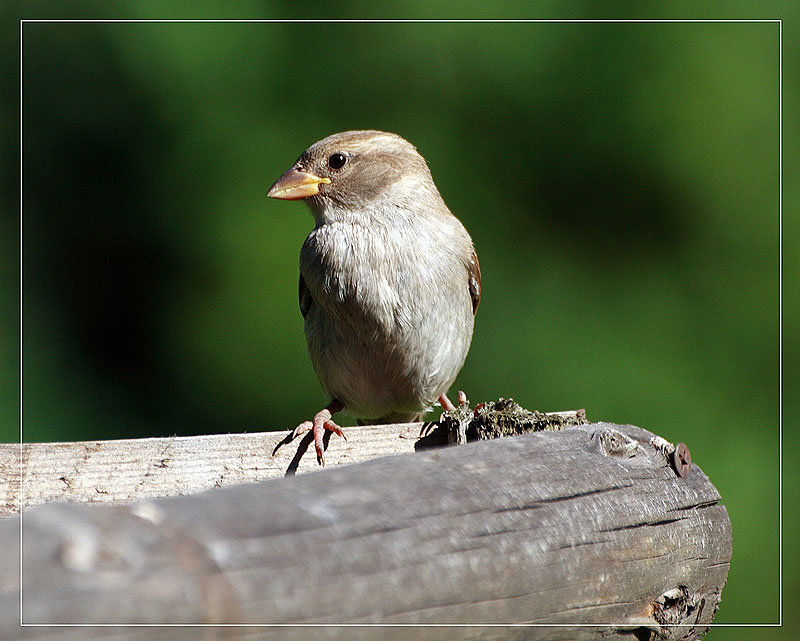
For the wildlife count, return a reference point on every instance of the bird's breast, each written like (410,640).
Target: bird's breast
(391,318)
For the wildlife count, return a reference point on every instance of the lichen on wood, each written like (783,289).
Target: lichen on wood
(504,417)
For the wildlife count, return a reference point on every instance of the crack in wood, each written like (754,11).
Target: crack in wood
(633,526)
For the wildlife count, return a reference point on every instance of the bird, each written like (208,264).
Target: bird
(389,280)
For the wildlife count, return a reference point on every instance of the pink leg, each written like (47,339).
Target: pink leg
(447,404)
(322,421)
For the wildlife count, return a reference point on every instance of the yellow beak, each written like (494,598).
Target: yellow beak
(295,185)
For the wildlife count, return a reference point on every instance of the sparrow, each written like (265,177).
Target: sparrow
(389,280)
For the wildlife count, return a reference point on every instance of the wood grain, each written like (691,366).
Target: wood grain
(543,531)
(127,470)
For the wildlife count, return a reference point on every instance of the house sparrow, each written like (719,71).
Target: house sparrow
(389,280)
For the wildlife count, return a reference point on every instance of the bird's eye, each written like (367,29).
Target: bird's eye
(337,161)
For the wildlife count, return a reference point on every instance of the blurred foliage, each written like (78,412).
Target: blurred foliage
(620,182)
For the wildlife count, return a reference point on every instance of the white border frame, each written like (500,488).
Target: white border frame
(779,22)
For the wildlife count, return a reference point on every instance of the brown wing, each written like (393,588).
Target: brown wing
(474,271)
(305,296)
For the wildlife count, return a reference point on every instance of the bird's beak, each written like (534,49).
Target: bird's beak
(296,184)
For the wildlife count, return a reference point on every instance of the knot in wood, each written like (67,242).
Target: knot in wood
(677,606)
(616,444)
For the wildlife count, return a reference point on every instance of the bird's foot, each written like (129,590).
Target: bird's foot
(447,404)
(321,423)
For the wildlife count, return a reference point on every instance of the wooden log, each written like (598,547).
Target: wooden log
(586,526)
(127,470)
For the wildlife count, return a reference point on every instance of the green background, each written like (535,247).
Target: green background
(621,183)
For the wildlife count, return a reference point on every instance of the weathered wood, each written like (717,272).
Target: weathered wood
(123,471)
(547,528)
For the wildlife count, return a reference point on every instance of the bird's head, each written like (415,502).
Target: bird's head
(357,171)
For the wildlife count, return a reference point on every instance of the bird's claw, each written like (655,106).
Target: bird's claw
(321,423)
(447,404)
(300,430)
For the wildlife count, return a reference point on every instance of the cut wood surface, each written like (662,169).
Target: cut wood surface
(123,471)
(128,470)
(585,525)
